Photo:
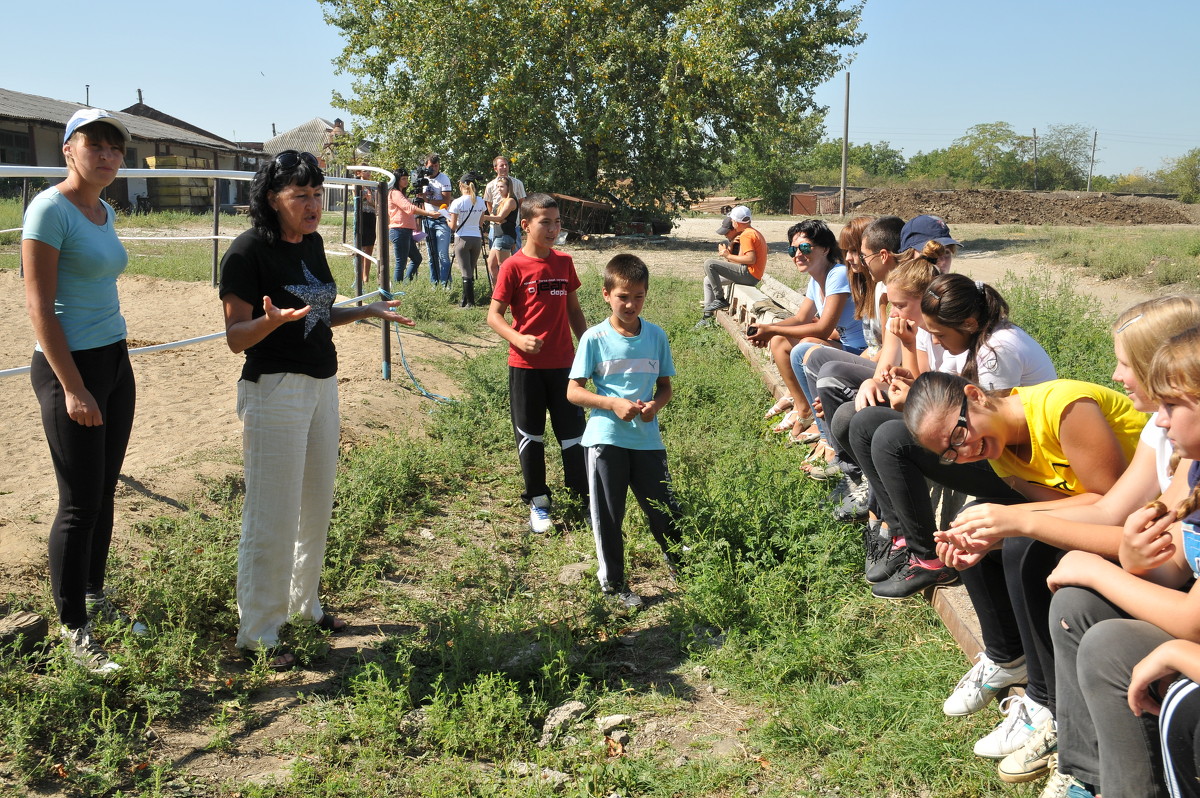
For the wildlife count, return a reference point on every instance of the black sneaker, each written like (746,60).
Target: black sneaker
(884,559)
(912,578)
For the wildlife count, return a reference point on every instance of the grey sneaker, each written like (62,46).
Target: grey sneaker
(86,651)
(854,504)
(630,600)
(100,609)
(715,305)
(704,322)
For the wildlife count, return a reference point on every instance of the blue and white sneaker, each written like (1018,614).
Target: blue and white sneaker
(539,515)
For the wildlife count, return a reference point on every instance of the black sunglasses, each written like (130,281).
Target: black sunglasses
(290,159)
(958,436)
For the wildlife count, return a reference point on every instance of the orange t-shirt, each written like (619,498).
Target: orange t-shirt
(748,240)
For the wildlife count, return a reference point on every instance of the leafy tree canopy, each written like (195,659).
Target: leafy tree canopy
(591,96)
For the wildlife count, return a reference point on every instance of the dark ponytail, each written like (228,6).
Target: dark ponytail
(952,299)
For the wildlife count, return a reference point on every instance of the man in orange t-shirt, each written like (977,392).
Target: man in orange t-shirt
(744,268)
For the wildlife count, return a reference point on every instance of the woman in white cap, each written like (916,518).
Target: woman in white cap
(80,370)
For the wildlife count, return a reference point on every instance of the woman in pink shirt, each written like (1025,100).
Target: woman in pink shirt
(402,225)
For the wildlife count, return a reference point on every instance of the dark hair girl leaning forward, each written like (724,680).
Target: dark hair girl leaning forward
(80,370)
(278,295)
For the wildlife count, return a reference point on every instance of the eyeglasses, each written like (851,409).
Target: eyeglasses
(867,258)
(290,159)
(803,247)
(958,436)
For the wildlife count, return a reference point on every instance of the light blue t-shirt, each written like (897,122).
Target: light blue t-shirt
(90,257)
(837,281)
(627,367)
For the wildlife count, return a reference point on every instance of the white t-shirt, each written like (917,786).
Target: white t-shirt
(443,184)
(468,216)
(1155,437)
(1009,358)
(491,192)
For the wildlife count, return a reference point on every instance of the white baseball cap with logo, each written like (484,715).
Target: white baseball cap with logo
(740,213)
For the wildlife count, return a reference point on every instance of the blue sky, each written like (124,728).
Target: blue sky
(928,70)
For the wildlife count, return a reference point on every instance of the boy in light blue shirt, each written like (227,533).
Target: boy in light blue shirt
(629,363)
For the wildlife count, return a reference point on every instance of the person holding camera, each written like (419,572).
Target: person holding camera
(436,194)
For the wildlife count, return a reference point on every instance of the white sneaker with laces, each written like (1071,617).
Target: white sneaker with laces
(86,651)
(981,684)
(1059,784)
(1022,717)
(539,515)
(1033,759)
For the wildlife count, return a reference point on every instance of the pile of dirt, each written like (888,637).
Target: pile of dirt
(979,206)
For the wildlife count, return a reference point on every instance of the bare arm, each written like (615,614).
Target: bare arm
(243,331)
(578,394)
(804,315)
(1175,657)
(41,286)
(1091,446)
(519,341)
(575,315)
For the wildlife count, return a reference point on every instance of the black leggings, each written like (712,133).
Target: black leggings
(87,462)
(531,393)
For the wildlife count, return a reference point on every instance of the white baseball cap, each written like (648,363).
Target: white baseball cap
(740,213)
(86,116)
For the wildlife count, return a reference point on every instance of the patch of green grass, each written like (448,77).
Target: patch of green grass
(1163,256)
(481,638)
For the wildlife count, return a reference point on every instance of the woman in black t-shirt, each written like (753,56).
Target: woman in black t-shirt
(278,295)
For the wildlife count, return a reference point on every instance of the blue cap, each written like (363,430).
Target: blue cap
(920,229)
(86,116)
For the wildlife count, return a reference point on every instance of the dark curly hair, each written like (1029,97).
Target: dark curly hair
(274,177)
(818,233)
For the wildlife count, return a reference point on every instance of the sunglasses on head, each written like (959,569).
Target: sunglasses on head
(804,247)
(290,159)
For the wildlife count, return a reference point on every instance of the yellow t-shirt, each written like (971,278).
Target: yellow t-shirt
(1044,407)
(751,239)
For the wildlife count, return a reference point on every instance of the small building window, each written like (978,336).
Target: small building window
(15,148)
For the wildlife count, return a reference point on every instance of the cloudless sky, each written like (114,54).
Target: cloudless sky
(928,70)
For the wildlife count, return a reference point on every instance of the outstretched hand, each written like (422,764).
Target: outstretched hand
(384,310)
(278,316)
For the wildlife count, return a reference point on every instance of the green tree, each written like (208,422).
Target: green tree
(1182,175)
(589,96)
(1064,154)
(995,156)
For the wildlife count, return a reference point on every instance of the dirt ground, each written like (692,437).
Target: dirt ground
(186,429)
(979,206)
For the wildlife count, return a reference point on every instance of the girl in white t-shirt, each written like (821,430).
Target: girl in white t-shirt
(466,215)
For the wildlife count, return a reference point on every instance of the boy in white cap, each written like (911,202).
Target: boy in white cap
(744,268)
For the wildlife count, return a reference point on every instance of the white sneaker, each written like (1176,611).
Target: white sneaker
(539,515)
(1059,784)
(981,684)
(1022,717)
(1033,759)
(86,651)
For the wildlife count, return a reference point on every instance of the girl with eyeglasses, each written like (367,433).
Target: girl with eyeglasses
(1043,442)
(278,294)
(825,316)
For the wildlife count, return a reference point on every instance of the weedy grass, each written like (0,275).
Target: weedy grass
(1165,255)
(839,692)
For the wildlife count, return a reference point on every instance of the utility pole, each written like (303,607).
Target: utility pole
(845,149)
(1035,159)
(1092,163)
(87,94)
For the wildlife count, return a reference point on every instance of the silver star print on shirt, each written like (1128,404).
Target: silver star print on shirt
(317,295)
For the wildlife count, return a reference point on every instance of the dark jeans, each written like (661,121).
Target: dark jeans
(1100,741)
(404,251)
(87,462)
(531,394)
(836,376)
(1009,593)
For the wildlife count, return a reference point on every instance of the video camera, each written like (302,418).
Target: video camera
(420,179)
